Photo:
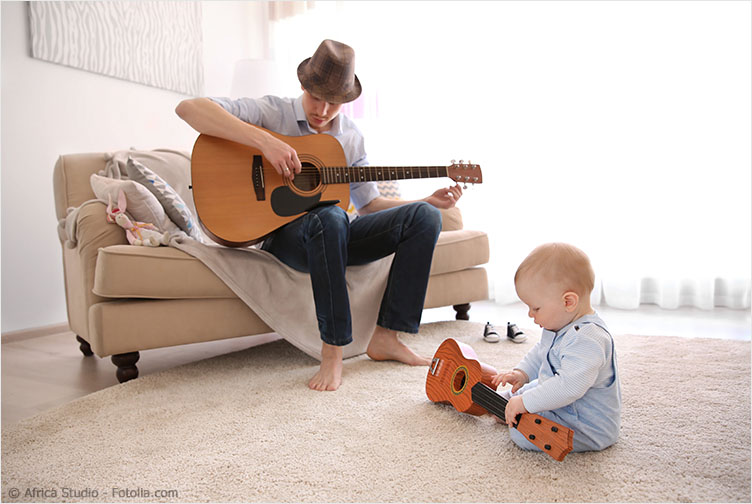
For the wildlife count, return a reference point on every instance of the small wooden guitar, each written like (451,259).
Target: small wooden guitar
(240,198)
(457,378)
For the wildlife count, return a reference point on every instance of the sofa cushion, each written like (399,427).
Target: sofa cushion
(142,205)
(126,271)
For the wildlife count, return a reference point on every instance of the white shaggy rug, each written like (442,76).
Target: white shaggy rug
(244,427)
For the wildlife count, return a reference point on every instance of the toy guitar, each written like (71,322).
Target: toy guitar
(240,198)
(457,378)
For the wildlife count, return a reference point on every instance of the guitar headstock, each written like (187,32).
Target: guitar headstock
(465,173)
(552,438)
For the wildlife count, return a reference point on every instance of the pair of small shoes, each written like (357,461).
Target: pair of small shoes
(489,334)
(514,333)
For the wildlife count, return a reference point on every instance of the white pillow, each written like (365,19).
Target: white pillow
(142,205)
(173,204)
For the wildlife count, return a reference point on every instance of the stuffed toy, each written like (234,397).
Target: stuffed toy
(137,233)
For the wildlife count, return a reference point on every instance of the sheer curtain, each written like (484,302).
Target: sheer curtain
(621,127)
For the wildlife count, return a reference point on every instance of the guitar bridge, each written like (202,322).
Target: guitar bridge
(435,366)
(257,174)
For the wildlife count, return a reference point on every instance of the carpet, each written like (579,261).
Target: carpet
(244,427)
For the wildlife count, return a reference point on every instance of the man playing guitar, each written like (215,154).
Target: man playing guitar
(324,241)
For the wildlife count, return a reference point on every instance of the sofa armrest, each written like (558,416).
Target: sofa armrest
(451,219)
(94,232)
(79,262)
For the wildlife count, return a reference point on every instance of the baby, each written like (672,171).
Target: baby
(570,376)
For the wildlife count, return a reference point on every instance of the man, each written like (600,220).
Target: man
(323,241)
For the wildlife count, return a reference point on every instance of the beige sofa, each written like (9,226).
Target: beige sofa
(110,285)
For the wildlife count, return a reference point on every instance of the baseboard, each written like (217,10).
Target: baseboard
(34,332)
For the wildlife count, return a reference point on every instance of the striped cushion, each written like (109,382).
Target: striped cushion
(389,189)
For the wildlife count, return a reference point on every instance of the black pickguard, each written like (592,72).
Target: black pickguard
(286,203)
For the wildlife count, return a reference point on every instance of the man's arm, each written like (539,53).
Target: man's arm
(209,118)
(442,198)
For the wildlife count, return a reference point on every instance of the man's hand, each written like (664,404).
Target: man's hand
(445,197)
(515,406)
(209,118)
(282,156)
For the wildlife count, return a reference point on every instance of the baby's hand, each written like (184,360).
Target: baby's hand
(515,406)
(515,378)
(496,380)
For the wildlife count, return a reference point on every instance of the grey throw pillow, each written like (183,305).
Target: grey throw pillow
(173,204)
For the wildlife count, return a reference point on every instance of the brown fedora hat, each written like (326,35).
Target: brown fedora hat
(330,73)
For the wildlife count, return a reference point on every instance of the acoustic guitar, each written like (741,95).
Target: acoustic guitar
(457,378)
(240,198)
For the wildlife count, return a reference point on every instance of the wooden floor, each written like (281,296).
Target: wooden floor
(42,372)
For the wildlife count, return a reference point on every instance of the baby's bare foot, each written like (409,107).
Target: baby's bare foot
(384,345)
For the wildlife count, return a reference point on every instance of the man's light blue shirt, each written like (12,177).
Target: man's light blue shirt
(287,117)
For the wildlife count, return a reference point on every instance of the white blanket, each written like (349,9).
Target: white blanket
(282,297)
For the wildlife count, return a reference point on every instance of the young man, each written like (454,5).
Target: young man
(323,241)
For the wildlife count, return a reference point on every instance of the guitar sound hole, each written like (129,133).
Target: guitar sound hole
(308,179)
(459,381)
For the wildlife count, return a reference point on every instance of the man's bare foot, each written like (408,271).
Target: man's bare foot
(384,345)
(329,376)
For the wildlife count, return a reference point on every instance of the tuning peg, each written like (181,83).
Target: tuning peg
(453,161)
(460,161)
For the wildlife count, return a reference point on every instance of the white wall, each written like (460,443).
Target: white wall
(48,110)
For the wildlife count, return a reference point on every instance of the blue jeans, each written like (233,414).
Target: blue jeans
(323,242)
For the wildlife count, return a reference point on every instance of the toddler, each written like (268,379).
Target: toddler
(570,376)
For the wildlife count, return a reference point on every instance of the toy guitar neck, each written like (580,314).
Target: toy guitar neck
(457,378)
(489,400)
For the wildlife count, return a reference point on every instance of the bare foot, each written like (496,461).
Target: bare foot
(384,345)
(329,376)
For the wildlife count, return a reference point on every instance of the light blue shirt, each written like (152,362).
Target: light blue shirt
(287,117)
(573,373)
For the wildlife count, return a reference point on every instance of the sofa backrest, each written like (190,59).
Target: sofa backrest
(72,174)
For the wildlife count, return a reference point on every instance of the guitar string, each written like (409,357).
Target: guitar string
(488,394)
(369,173)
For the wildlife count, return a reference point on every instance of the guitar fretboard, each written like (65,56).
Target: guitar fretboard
(487,398)
(345,174)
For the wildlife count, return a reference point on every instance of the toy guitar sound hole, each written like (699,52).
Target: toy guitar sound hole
(308,179)
(460,378)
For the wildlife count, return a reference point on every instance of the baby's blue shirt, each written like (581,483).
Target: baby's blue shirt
(577,379)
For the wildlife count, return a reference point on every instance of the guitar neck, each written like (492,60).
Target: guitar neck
(488,399)
(347,174)
(550,437)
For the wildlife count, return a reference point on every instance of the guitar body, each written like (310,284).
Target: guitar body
(454,370)
(240,198)
(457,378)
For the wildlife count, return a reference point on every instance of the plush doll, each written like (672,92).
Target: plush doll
(138,233)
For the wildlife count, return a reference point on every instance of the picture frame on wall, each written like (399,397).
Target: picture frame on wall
(157,44)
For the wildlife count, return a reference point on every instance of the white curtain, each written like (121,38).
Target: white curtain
(621,127)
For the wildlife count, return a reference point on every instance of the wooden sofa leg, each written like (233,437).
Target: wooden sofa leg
(126,366)
(84,346)
(462,310)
